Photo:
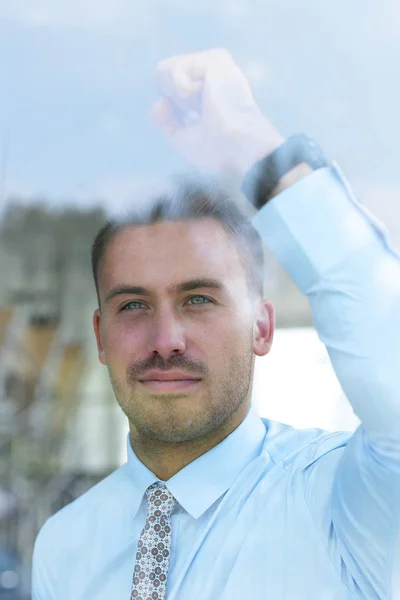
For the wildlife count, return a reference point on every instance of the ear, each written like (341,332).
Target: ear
(264,327)
(97,332)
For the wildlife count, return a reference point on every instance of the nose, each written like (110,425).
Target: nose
(167,335)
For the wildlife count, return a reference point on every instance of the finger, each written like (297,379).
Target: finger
(194,64)
(184,78)
(181,77)
(163,116)
(185,85)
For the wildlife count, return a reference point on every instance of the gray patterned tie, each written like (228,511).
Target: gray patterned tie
(154,545)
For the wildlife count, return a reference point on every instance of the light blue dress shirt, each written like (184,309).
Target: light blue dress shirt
(272,512)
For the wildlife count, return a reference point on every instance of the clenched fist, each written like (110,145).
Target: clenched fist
(208,113)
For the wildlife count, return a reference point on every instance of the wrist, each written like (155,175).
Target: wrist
(295,175)
(252,144)
(293,160)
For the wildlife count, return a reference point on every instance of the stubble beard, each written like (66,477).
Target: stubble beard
(180,418)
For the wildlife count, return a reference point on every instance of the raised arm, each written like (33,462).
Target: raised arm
(340,258)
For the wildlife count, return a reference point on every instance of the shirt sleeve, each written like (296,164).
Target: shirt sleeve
(43,582)
(340,258)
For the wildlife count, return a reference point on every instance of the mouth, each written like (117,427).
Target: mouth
(170,381)
(169,385)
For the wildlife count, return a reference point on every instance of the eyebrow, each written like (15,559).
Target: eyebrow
(185,286)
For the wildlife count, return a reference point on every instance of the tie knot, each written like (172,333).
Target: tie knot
(160,501)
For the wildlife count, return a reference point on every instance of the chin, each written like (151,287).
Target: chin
(175,426)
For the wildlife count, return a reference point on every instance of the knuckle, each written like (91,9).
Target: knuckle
(222,54)
(167,64)
(163,66)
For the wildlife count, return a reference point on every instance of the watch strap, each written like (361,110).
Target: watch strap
(264,176)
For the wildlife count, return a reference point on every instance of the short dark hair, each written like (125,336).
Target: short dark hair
(190,199)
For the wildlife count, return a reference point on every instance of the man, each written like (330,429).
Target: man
(215,503)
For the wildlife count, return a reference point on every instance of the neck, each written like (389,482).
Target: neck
(165,459)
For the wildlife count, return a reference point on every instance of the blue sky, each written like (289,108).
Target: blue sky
(77,79)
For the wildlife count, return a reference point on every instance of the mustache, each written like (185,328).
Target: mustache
(191,366)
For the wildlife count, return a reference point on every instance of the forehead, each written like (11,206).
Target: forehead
(168,252)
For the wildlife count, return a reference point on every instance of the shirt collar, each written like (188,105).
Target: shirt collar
(198,485)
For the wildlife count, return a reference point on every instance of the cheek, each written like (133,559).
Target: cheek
(226,340)
(123,342)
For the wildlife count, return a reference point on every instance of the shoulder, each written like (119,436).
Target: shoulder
(75,524)
(300,448)
(83,514)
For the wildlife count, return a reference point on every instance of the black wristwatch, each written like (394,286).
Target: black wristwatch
(260,181)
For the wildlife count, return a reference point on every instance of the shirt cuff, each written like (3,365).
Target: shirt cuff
(315,224)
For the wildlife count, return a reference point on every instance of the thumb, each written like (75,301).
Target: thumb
(163,115)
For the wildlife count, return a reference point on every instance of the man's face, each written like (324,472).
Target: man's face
(178,329)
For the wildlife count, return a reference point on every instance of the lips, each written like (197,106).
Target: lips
(168,381)
(168,376)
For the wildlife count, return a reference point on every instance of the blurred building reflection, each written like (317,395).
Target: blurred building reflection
(58,423)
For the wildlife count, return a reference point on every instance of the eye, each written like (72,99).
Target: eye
(133,305)
(197,300)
